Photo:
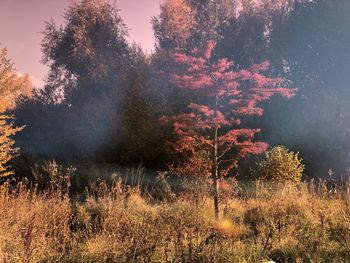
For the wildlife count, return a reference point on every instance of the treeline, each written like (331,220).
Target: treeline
(103,98)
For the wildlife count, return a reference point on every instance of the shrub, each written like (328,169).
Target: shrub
(279,164)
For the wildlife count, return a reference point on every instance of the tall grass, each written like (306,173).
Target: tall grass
(122,223)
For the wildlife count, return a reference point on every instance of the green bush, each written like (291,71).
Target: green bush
(279,164)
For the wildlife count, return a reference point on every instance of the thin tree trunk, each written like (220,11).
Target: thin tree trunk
(215,175)
(215,168)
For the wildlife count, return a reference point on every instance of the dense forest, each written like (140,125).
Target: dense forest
(103,98)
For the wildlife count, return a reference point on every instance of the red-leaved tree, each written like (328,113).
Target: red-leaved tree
(210,134)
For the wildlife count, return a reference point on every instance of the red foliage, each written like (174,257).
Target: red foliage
(214,121)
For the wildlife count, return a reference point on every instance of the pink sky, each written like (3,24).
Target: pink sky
(22,20)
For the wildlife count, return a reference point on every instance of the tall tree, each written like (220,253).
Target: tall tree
(10,83)
(175,24)
(185,24)
(78,109)
(140,106)
(91,45)
(310,47)
(246,35)
(211,132)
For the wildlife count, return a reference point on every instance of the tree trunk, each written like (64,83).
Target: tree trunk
(215,167)
(215,174)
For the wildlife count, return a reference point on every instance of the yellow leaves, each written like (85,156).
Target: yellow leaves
(12,84)
(279,164)
(7,151)
(176,21)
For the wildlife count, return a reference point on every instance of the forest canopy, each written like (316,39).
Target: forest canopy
(103,99)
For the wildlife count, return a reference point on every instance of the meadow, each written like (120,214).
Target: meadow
(123,222)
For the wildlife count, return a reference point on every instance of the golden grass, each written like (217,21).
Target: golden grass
(289,224)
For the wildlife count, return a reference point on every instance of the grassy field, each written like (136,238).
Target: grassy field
(305,223)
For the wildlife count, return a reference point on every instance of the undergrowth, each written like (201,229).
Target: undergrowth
(120,222)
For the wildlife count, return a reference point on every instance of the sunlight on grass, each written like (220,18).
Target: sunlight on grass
(289,224)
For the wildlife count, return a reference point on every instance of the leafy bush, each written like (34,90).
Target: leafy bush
(279,164)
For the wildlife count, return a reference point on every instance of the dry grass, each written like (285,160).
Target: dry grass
(307,223)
